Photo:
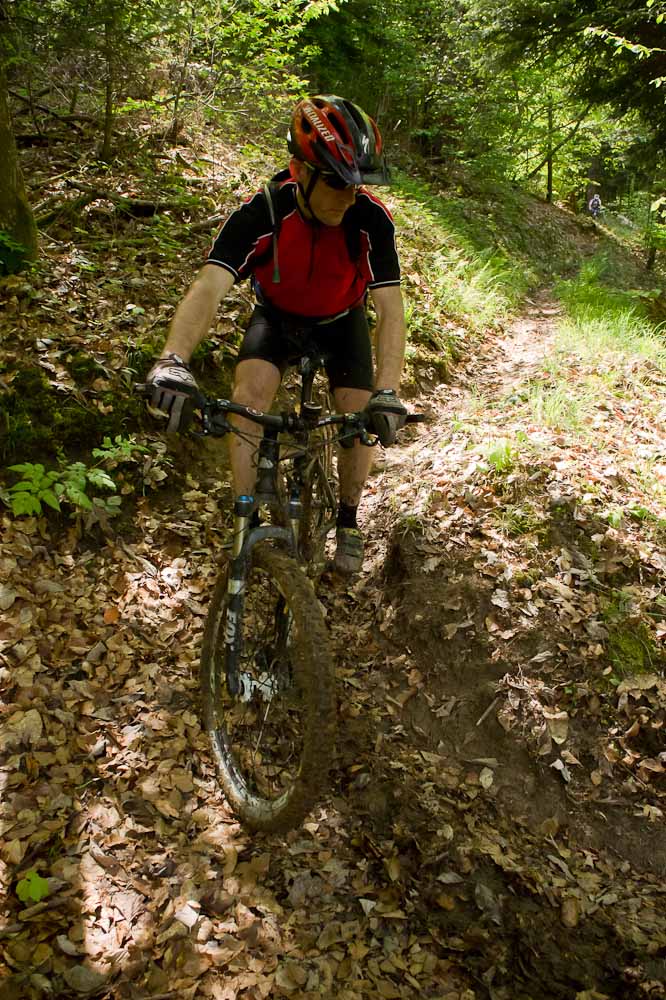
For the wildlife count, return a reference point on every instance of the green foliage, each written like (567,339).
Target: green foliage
(635,48)
(500,455)
(516,520)
(631,647)
(615,51)
(117,451)
(404,61)
(12,254)
(235,61)
(560,405)
(32,887)
(440,71)
(74,484)
(488,242)
(36,487)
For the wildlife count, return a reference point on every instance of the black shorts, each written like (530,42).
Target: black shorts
(283,340)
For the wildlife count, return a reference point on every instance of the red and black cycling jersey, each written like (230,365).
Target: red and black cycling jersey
(323,270)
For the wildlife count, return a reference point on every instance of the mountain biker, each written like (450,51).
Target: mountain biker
(594,205)
(314,245)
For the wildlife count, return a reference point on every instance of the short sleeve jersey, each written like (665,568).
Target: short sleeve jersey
(324,270)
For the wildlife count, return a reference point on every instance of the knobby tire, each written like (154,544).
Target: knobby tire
(299,752)
(319,506)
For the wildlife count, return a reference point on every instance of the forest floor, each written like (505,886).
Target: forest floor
(495,825)
(494,828)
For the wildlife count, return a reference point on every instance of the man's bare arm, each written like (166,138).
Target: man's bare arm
(194,316)
(390,336)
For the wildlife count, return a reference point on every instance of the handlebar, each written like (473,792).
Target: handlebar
(214,420)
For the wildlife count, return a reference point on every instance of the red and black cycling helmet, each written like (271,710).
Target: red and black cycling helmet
(334,135)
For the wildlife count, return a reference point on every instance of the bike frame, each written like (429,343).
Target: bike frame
(301,425)
(267,494)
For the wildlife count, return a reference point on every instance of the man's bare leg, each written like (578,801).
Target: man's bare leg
(353,469)
(255,385)
(353,463)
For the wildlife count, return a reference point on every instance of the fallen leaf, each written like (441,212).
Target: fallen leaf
(393,868)
(84,980)
(291,977)
(486,777)
(67,946)
(570,912)
(560,766)
(7,597)
(21,727)
(188,915)
(558,725)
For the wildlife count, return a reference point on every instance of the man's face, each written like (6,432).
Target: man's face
(327,203)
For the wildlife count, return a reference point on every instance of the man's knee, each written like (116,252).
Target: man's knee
(255,383)
(349,400)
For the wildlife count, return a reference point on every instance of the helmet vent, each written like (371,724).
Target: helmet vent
(354,113)
(337,124)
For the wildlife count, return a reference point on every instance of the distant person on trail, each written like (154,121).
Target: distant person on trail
(314,242)
(594,205)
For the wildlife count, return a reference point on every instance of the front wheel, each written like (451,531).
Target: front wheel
(273,739)
(319,512)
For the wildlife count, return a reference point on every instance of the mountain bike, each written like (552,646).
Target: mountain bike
(266,669)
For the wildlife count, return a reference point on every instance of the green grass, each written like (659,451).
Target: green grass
(501,455)
(563,406)
(607,323)
(481,288)
(647,472)
(469,276)
(609,340)
(518,519)
(619,337)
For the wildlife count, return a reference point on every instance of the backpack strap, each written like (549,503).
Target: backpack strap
(270,194)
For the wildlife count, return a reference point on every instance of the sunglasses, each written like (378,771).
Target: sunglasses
(336,183)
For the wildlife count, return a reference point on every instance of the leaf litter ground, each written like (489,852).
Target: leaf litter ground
(495,827)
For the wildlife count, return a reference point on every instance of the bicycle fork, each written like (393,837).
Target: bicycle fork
(240,684)
(243,508)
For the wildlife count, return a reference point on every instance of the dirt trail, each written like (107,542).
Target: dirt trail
(563,880)
(452,859)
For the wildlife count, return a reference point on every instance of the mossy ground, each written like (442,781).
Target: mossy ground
(39,422)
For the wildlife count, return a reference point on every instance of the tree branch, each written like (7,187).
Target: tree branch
(559,145)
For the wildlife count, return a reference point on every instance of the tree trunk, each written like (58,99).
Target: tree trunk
(16,219)
(171,134)
(549,188)
(105,153)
